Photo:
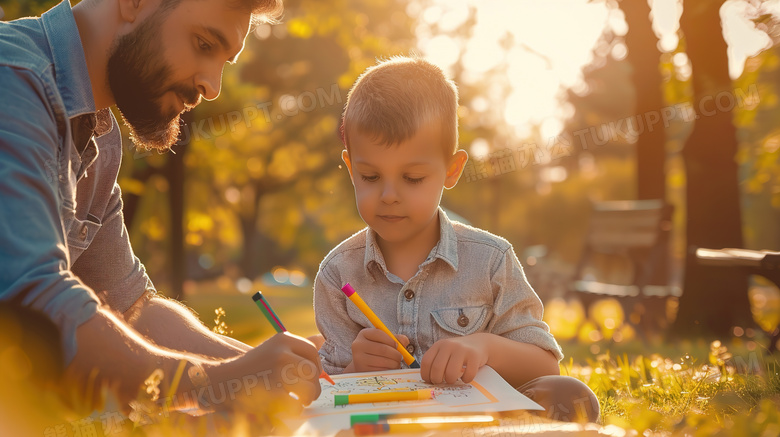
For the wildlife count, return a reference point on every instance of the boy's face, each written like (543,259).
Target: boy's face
(398,188)
(169,61)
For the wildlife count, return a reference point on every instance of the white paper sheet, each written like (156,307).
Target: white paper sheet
(487,393)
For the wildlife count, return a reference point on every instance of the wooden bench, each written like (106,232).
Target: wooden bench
(764,263)
(626,256)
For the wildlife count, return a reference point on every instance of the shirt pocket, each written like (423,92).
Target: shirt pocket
(459,321)
(80,234)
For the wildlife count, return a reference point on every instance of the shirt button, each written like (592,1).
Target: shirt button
(463,321)
(410,348)
(83,233)
(409,294)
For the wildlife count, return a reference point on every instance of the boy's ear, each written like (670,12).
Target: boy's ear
(345,158)
(455,168)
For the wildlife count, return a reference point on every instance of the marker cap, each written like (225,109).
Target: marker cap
(362,429)
(348,290)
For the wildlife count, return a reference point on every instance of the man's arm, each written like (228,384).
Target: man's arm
(112,354)
(170,324)
(33,250)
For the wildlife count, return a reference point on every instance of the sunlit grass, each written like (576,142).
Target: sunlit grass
(690,388)
(731,394)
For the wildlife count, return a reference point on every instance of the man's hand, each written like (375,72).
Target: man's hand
(317,339)
(374,350)
(453,358)
(280,375)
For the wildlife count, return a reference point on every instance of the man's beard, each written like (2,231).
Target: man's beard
(138,77)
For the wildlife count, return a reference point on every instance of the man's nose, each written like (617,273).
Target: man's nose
(209,83)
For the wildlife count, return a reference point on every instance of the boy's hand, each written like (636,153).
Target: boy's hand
(264,377)
(374,350)
(453,358)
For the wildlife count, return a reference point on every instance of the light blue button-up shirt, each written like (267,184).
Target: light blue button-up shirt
(470,282)
(63,243)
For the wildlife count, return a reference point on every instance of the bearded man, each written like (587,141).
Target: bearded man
(64,249)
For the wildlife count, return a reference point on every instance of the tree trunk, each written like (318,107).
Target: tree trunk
(130,202)
(644,57)
(175,173)
(250,255)
(714,299)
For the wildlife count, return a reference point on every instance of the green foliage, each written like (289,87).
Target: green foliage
(756,117)
(14,9)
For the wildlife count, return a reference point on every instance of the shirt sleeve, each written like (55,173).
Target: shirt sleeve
(517,308)
(109,265)
(333,322)
(35,265)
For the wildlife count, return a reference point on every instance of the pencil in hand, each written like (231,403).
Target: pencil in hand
(277,323)
(366,310)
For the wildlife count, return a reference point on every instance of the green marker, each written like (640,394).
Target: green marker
(277,324)
(268,312)
(367,418)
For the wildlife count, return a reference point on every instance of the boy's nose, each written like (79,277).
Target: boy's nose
(389,193)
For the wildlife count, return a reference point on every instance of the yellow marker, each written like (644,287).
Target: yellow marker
(411,425)
(358,301)
(388,396)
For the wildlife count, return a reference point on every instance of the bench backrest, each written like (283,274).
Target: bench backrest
(620,225)
(635,235)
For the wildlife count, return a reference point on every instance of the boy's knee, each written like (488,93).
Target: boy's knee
(563,398)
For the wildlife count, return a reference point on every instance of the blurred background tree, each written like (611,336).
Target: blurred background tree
(712,191)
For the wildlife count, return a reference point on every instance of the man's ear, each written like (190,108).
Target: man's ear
(345,158)
(455,168)
(131,10)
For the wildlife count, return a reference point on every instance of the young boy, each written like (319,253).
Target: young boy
(454,295)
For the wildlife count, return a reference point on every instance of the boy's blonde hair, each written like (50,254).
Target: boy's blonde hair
(392,100)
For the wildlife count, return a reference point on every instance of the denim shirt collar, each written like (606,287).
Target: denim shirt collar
(70,65)
(446,249)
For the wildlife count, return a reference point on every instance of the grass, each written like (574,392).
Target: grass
(721,394)
(687,389)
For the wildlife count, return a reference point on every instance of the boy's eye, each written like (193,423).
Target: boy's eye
(373,178)
(414,180)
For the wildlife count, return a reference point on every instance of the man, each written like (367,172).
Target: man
(63,245)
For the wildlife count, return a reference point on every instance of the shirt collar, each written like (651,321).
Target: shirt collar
(70,65)
(446,249)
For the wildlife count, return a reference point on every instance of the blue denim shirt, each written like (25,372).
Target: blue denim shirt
(63,243)
(470,282)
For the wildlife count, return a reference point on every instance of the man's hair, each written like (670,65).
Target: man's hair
(263,11)
(392,100)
